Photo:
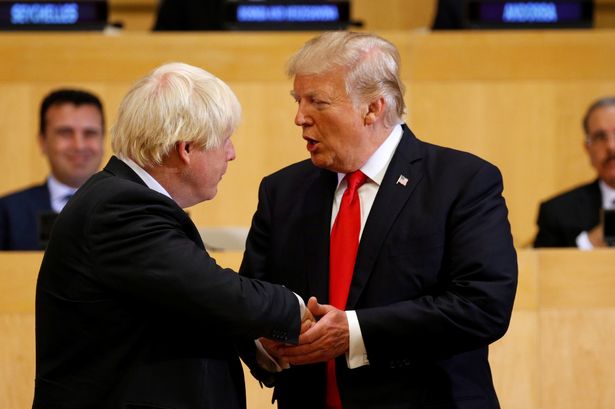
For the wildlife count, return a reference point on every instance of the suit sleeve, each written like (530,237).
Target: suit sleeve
(472,302)
(144,252)
(4,235)
(258,244)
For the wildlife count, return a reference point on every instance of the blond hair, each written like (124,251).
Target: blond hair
(371,63)
(175,102)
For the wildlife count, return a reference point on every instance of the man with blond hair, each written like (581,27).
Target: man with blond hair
(405,245)
(131,311)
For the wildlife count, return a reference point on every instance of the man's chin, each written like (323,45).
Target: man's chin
(319,161)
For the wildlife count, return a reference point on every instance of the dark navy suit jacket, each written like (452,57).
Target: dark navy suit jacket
(433,285)
(562,218)
(19,218)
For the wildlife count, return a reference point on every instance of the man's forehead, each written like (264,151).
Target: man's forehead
(68,109)
(317,86)
(69,114)
(602,116)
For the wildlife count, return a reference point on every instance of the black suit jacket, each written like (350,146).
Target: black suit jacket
(131,311)
(20,214)
(562,218)
(434,280)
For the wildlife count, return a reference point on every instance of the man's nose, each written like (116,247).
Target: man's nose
(230,151)
(79,140)
(610,141)
(300,118)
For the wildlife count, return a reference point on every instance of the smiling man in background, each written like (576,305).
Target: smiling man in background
(71,137)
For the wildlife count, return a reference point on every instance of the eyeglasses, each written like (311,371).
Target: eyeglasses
(600,137)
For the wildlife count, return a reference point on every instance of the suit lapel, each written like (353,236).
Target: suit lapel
(389,202)
(316,227)
(589,205)
(118,168)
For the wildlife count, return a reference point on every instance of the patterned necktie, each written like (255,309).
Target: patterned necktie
(342,257)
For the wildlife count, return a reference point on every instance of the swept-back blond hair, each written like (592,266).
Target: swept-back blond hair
(371,63)
(175,102)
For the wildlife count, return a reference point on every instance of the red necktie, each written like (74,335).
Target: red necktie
(342,257)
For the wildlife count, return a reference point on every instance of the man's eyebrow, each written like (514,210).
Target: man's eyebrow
(310,94)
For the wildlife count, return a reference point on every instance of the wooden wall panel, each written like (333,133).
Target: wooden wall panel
(514,98)
(557,353)
(515,363)
(16,360)
(576,358)
(394,14)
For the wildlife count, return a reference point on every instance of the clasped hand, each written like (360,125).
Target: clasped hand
(324,336)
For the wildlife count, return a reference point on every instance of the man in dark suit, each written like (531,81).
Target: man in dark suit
(573,218)
(434,277)
(71,131)
(131,311)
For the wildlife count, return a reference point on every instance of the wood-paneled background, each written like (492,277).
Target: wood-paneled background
(514,98)
(557,354)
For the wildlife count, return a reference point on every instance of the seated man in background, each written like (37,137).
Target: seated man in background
(573,218)
(71,137)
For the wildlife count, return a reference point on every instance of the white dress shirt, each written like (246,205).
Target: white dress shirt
(59,193)
(145,177)
(375,168)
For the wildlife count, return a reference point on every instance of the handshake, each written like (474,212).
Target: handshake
(324,336)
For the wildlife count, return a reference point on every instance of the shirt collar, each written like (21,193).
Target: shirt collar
(608,195)
(377,164)
(145,177)
(58,192)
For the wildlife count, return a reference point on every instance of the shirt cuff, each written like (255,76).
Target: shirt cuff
(266,361)
(301,306)
(356,355)
(583,242)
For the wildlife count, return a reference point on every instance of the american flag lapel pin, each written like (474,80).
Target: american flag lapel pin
(402,180)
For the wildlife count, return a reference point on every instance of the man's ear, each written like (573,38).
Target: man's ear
(586,145)
(41,143)
(183,151)
(375,110)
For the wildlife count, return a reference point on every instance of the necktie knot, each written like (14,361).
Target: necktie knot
(355,180)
